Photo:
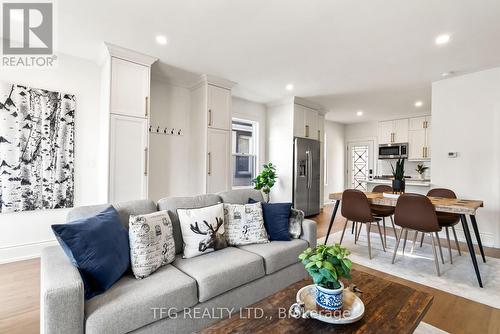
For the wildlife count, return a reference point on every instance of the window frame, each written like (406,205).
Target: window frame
(255,142)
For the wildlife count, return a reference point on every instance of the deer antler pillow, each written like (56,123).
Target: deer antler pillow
(202,229)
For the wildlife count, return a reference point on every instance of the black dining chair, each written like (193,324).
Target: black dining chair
(382,211)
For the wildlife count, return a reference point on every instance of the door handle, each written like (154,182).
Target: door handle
(209,163)
(209,117)
(145,161)
(146,107)
(307,131)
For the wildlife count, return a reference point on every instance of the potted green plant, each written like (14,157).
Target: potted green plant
(398,184)
(266,179)
(327,264)
(421,170)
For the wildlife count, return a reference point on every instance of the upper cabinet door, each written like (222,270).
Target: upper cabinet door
(401,131)
(219,108)
(386,132)
(299,121)
(417,142)
(218,161)
(311,121)
(128,158)
(129,88)
(417,123)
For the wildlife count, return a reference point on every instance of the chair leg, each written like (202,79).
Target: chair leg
(368,226)
(449,244)
(440,250)
(352,228)
(343,231)
(360,226)
(404,242)
(398,239)
(456,240)
(381,238)
(422,240)
(414,241)
(393,227)
(385,234)
(435,255)
(356,226)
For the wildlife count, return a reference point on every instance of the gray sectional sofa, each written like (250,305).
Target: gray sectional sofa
(167,301)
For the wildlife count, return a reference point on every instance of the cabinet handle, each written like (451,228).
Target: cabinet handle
(392,137)
(145,161)
(319,135)
(146,107)
(426,152)
(307,131)
(209,117)
(423,152)
(209,163)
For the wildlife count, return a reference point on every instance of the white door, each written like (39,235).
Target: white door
(218,161)
(417,143)
(219,108)
(385,132)
(401,130)
(360,160)
(129,88)
(299,121)
(128,160)
(311,120)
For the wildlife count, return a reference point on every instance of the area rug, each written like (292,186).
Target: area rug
(458,278)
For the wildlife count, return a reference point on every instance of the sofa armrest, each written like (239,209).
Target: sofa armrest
(61,294)
(309,232)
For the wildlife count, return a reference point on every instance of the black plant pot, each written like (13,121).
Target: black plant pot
(398,186)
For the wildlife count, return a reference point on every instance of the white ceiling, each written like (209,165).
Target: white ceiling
(377,55)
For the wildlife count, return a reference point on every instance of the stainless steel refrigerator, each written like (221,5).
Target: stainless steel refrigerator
(306,176)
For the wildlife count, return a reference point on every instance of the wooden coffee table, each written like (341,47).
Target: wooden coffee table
(389,308)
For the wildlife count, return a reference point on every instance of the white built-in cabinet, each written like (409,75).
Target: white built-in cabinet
(211,127)
(126,81)
(305,122)
(420,138)
(394,131)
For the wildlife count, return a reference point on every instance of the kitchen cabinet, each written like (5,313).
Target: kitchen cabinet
(420,138)
(305,122)
(394,131)
(128,158)
(129,88)
(321,128)
(219,107)
(218,160)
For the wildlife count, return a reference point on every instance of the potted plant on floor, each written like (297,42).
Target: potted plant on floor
(398,184)
(266,179)
(421,170)
(327,264)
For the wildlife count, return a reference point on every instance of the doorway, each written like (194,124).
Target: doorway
(359,162)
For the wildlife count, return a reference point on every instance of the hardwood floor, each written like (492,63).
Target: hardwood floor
(20,291)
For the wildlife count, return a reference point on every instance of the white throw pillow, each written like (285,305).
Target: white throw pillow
(202,230)
(295,223)
(151,241)
(244,224)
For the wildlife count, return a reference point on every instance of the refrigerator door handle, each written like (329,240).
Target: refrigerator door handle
(308,166)
(310,171)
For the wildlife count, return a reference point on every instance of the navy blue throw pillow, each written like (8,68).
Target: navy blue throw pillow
(276,219)
(98,246)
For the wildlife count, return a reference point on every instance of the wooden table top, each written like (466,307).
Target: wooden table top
(389,308)
(451,205)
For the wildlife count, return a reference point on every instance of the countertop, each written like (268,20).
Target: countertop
(408,182)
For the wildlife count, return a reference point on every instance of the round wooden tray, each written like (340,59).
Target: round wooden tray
(306,307)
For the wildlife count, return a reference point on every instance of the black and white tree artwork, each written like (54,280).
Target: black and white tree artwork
(36,148)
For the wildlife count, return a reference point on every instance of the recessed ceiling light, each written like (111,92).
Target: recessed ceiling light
(359,113)
(162,40)
(418,104)
(289,87)
(442,39)
(447,74)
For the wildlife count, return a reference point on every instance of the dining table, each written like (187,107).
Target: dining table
(461,207)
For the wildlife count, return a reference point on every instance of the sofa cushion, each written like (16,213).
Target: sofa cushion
(130,303)
(244,224)
(125,209)
(277,220)
(221,271)
(278,254)
(241,196)
(171,204)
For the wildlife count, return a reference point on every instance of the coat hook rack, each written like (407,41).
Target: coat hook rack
(163,130)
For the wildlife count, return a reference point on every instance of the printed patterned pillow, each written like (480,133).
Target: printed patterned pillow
(151,242)
(296,219)
(244,224)
(202,230)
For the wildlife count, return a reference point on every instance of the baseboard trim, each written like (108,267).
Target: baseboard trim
(24,251)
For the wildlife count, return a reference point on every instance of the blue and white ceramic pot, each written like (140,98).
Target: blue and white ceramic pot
(329,299)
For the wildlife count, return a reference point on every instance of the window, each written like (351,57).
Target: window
(244,152)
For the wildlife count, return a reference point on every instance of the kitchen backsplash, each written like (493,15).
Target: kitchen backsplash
(384,168)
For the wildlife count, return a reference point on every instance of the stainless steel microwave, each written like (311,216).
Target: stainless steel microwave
(393,151)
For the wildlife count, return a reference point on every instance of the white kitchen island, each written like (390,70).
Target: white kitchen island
(411,185)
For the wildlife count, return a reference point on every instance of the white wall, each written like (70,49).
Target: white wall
(466,119)
(335,158)
(24,234)
(256,112)
(169,158)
